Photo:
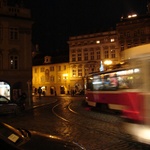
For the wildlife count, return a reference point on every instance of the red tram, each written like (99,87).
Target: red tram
(126,89)
(117,89)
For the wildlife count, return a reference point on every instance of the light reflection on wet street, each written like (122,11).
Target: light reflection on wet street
(93,130)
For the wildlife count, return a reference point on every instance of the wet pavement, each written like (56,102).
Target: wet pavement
(79,128)
(44,100)
(38,102)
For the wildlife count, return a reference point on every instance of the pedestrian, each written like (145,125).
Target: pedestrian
(39,91)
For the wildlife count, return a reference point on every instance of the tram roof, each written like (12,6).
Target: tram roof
(108,71)
(138,51)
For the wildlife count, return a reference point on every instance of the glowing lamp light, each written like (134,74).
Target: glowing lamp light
(65,76)
(132,16)
(112,40)
(107,62)
(97,42)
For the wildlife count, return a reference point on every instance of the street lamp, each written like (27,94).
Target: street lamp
(29,91)
(65,76)
(107,63)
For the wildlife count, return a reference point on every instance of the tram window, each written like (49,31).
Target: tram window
(125,79)
(105,82)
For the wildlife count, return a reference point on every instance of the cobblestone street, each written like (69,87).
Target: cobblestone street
(71,119)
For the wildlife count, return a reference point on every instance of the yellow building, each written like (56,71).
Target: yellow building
(53,78)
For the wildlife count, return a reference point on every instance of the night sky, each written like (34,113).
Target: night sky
(56,20)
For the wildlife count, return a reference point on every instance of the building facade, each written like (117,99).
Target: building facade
(87,53)
(15,50)
(132,31)
(53,78)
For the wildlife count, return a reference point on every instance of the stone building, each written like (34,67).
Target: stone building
(133,30)
(15,50)
(52,76)
(87,53)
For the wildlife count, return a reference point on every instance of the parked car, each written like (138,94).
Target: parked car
(13,138)
(7,106)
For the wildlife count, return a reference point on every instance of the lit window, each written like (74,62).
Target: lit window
(59,78)
(132,16)
(112,40)
(79,72)
(73,72)
(14,62)
(122,47)
(97,42)
(113,53)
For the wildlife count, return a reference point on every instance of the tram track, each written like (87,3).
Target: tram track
(75,116)
(92,125)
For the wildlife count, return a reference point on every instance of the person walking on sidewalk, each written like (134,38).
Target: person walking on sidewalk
(39,92)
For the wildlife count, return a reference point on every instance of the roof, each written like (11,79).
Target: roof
(39,59)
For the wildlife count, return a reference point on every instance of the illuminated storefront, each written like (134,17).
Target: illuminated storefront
(5,89)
